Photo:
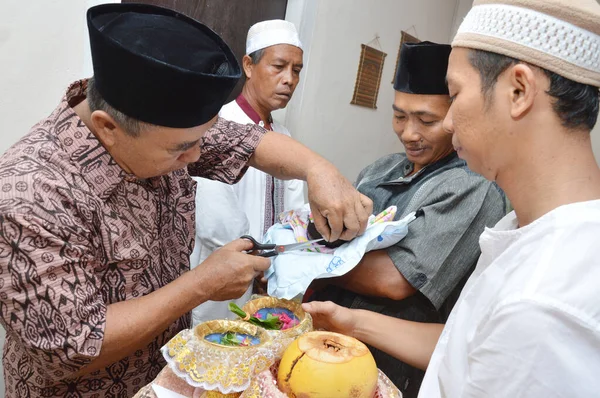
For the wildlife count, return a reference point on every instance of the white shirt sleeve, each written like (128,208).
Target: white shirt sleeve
(534,348)
(293,197)
(219,219)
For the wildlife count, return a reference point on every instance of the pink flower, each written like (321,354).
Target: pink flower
(284,318)
(287,321)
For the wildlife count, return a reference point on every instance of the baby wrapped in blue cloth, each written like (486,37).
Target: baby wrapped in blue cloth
(291,273)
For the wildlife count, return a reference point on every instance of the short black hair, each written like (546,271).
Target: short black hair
(255,58)
(131,126)
(576,104)
(257,55)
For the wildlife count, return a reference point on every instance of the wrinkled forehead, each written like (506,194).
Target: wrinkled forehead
(437,104)
(285,52)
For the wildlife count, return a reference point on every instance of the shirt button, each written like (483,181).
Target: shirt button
(420,280)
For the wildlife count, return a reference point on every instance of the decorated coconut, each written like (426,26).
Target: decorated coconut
(221,356)
(323,364)
(327,365)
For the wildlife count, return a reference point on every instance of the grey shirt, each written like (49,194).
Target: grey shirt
(441,248)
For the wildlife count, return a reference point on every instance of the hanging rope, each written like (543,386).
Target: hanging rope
(375,40)
(414,28)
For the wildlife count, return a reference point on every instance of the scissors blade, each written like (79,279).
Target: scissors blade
(296,246)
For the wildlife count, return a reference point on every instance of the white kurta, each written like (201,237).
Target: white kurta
(251,190)
(527,323)
(226,212)
(219,220)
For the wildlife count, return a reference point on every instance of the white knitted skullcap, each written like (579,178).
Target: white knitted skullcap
(557,35)
(269,33)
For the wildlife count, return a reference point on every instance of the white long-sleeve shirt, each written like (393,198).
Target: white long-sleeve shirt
(527,323)
(254,188)
(226,212)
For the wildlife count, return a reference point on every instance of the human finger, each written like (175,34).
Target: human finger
(321,225)
(239,245)
(260,264)
(351,221)
(364,209)
(367,203)
(319,308)
(335,221)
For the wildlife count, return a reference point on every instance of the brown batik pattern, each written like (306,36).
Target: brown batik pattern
(219,139)
(77,234)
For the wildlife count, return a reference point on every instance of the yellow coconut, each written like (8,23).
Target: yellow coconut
(327,365)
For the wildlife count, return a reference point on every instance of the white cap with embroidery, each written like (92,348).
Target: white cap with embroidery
(560,36)
(269,33)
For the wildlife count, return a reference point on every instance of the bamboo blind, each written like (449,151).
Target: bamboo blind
(368,78)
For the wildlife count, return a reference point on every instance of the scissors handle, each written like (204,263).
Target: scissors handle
(271,253)
(256,245)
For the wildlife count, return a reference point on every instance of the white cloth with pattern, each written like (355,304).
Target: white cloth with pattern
(291,273)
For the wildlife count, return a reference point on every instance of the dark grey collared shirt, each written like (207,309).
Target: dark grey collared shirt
(441,248)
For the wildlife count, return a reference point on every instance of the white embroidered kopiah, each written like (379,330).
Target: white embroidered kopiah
(535,30)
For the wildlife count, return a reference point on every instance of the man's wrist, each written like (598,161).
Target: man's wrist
(317,168)
(357,329)
(195,286)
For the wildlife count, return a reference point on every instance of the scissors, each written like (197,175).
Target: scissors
(272,250)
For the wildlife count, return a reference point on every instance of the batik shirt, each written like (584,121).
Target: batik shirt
(77,234)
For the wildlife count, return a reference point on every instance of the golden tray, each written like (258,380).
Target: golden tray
(215,367)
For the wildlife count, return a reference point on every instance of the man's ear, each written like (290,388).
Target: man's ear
(524,87)
(247,65)
(105,127)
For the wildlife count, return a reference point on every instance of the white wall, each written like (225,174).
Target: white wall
(320,114)
(43,47)
(461,10)
(303,14)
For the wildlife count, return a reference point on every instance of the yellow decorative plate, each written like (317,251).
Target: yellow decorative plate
(215,367)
